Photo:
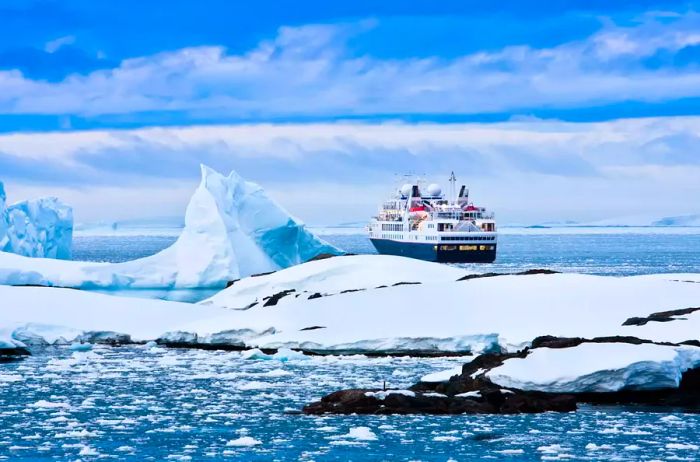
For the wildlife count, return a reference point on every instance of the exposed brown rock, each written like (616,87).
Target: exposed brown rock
(661,316)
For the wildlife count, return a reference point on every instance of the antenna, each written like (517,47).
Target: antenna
(453,182)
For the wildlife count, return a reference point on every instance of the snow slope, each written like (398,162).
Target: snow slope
(36,228)
(232,230)
(332,276)
(598,367)
(50,315)
(486,314)
(479,314)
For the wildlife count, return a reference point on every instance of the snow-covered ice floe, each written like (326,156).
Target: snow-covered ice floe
(232,230)
(333,276)
(598,367)
(36,228)
(485,314)
(438,316)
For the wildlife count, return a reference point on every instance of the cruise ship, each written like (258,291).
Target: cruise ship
(421,222)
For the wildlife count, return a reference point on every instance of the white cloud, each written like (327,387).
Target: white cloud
(526,170)
(309,70)
(54,45)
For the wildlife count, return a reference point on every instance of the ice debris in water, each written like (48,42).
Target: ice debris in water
(244,441)
(282,355)
(80,346)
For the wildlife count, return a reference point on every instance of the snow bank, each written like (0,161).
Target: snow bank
(597,367)
(477,315)
(333,276)
(36,228)
(232,230)
(486,314)
(41,315)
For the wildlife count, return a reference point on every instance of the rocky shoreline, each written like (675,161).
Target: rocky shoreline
(473,392)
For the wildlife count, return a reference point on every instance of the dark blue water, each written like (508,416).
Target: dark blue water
(144,404)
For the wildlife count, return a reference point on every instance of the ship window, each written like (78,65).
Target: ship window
(482,247)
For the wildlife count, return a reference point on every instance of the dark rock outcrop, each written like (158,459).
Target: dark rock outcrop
(273,299)
(661,316)
(364,401)
(529,272)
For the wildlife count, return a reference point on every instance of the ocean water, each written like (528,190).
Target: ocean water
(140,404)
(607,253)
(615,252)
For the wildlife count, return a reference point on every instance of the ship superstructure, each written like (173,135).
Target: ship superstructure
(421,222)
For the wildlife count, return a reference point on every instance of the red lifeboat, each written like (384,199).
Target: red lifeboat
(470,208)
(418,208)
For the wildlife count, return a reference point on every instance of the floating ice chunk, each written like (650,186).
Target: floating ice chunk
(361,434)
(511,452)
(255,354)
(446,438)
(595,447)
(244,441)
(81,346)
(88,451)
(683,446)
(43,404)
(441,376)
(287,354)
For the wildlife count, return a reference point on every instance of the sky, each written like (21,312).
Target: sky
(559,110)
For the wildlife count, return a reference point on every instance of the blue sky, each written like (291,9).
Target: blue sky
(123,97)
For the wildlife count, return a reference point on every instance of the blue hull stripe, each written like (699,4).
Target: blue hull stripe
(428,252)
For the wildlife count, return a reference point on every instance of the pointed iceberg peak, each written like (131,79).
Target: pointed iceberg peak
(261,233)
(232,230)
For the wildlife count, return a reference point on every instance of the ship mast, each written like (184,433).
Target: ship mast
(453,182)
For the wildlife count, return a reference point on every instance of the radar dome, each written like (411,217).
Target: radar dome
(406,189)
(434,189)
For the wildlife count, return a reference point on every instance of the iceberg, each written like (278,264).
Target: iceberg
(36,228)
(233,229)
